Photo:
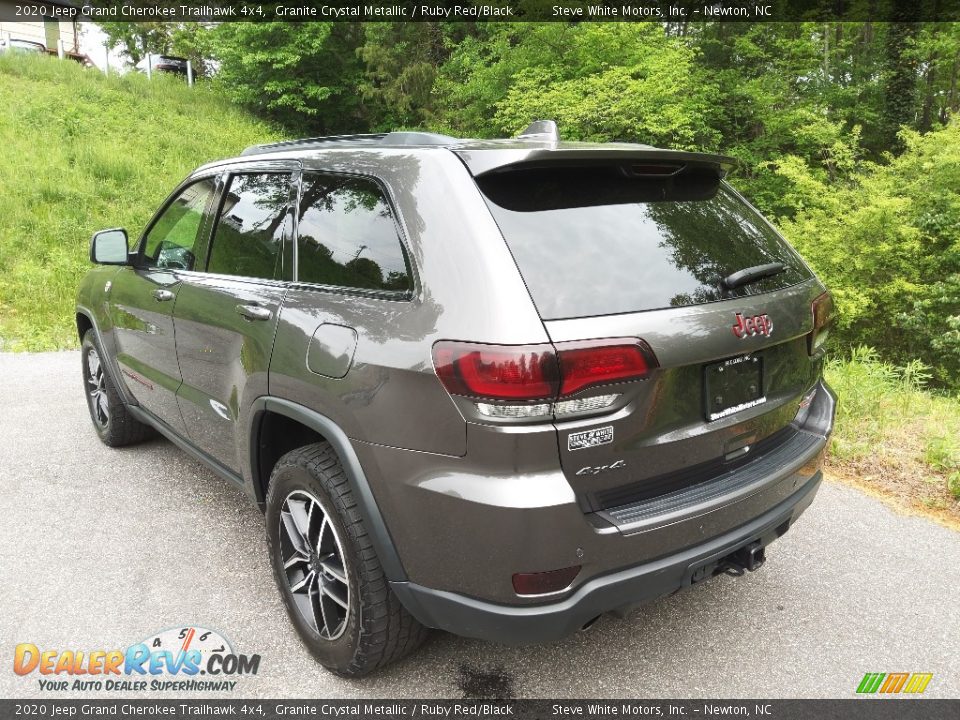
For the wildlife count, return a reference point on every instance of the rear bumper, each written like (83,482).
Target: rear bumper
(629,555)
(519,625)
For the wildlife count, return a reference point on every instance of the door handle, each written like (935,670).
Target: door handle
(162,295)
(254,312)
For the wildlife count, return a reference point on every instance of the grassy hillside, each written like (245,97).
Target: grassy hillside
(80,152)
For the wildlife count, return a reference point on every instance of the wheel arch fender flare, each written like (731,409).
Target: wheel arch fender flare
(332,433)
(113,370)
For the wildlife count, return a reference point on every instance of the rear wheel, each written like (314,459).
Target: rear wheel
(111,419)
(327,570)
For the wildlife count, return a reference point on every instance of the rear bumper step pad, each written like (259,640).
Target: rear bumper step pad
(722,490)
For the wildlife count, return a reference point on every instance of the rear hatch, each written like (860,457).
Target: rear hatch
(649,246)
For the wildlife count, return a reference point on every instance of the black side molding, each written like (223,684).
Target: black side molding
(148,418)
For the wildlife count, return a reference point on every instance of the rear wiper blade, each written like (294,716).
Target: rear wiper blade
(752,274)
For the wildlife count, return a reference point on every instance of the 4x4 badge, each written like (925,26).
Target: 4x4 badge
(746,327)
(597,469)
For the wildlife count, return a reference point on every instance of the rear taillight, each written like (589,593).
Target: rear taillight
(497,372)
(824,313)
(597,362)
(539,376)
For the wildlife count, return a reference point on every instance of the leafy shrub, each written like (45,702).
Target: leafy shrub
(888,244)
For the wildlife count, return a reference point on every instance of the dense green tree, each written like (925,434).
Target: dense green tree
(400,66)
(887,241)
(599,81)
(136,39)
(303,75)
(937,53)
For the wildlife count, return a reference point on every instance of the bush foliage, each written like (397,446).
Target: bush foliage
(887,240)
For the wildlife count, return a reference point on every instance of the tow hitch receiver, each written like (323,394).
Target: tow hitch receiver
(750,557)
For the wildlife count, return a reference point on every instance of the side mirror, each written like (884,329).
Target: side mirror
(109,247)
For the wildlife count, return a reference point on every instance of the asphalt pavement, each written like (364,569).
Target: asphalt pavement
(101,548)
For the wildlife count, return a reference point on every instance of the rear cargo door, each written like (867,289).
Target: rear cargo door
(669,254)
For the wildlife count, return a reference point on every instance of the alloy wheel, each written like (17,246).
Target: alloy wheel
(96,388)
(313,561)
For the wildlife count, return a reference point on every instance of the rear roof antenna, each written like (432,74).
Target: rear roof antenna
(544,130)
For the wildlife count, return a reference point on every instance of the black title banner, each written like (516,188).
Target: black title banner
(678,11)
(853,709)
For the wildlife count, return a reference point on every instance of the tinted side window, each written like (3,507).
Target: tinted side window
(248,237)
(347,236)
(174,238)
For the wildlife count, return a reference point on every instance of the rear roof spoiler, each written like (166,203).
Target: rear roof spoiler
(483,161)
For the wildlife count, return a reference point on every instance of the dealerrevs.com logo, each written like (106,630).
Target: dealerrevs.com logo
(178,659)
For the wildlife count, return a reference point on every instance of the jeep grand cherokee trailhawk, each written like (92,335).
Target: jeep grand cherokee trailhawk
(497,387)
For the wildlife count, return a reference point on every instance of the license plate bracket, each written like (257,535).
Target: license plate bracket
(733,385)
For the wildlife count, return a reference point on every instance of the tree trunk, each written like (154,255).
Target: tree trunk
(926,115)
(900,85)
(952,99)
(826,53)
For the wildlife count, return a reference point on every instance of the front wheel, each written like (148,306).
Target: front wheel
(111,419)
(327,570)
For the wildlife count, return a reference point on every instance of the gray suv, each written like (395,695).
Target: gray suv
(496,387)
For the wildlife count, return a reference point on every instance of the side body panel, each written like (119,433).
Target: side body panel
(93,303)
(224,358)
(391,395)
(466,287)
(144,339)
(225,324)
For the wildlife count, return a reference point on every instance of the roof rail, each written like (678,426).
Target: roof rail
(307,142)
(378,139)
(418,138)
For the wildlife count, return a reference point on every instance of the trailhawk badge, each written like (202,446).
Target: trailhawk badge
(590,438)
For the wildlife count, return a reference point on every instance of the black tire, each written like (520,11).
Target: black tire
(375,629)
(111,419)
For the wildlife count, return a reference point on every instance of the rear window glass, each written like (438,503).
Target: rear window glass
(626,238)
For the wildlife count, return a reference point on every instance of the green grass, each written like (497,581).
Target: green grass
(80,152)
(894,432)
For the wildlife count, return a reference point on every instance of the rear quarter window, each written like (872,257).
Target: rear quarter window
(604,240)
(347,236)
